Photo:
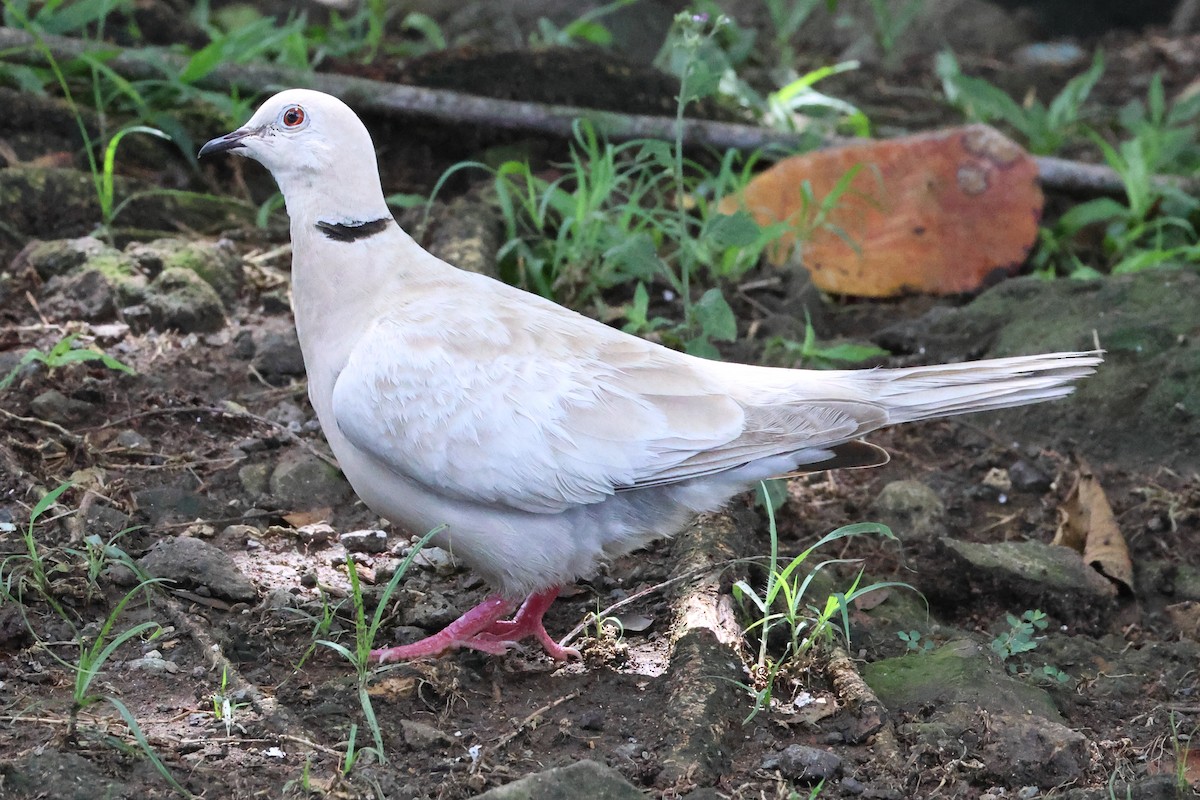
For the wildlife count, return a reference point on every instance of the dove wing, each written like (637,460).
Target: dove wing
(519,407)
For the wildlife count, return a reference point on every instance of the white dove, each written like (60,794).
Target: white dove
(544,441)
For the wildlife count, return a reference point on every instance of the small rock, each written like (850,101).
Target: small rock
(104,520)
(592,720)
(364,541)
(132,440)
(161,504)
(278,357)
(806,764)
(581,779)
(139,316)
(216,263)
(912,510)
(110,333)
(997,479)
(153,662)
(55,406)
(1026,477)
(59,256)
(194,564)
(255,478)
(1050,55)
(421,736)
(436,559)
(286,413)
(240,533)
(316,534)
(276,302)
(1027,748)
(428,609)
(243,345)
(87,295)
(179,299)
(301,480)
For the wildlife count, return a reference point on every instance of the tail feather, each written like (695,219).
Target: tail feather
(917,393)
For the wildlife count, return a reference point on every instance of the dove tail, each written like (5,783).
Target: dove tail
(917,393)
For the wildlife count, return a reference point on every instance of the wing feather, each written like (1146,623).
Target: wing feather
(518,412)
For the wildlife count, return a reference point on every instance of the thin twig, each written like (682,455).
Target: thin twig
(44,423)
(503,741)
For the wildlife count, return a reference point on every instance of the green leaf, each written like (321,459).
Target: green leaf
(715,316)
(732,230)
(635,257)
(1064,109)
(1102,209)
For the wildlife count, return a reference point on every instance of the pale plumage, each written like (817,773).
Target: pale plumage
(543,440)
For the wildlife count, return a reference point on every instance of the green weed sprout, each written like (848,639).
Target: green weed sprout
(61,354)
(35,572)
(364,641)
(1045,127)
(784,601)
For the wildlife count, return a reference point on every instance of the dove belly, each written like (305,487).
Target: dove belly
(519,552)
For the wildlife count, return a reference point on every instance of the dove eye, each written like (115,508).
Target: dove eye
(293,117)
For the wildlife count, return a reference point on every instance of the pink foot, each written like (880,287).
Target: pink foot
(482,628)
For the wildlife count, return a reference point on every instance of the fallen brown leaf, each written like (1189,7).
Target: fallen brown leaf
(944,212)
(1087,525)
(298,519)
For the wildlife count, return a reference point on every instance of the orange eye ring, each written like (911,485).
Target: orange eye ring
(293,117)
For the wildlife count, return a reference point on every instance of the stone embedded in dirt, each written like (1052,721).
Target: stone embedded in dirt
(87,295)
(582,779)
(55,406)
(302,481)
(422,736)
(132,440)
(1025,477)
(59,256)
(217,263)
(370,541)
(276,302)
(192,564)
(429,608)
(912,510)
(255,479)
(277,356)
(179,299)
(243,345)
(959,672)
(316,534)
(1037,575)
(435,558)
(1014,747)
(805,764)
(104,520)
(1026,748)
(153,662)
(161,504)
(287,414)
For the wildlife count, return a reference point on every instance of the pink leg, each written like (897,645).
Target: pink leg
(460,633)
(482,628)
(528,622)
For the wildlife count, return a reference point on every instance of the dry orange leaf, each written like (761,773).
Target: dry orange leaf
(1087,524)
(298,519)
(942,213)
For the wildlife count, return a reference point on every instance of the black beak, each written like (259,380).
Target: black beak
(230,141)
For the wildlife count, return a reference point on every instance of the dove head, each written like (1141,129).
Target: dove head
(319,152)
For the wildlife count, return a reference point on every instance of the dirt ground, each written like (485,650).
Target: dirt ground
(192,445)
